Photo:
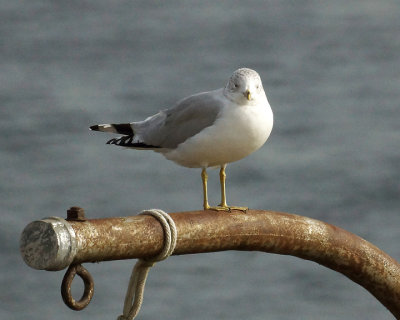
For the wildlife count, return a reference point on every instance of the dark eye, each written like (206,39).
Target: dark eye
(236,85)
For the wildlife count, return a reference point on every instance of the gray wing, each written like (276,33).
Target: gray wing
(171,127)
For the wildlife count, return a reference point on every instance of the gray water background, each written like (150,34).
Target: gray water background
(331,71)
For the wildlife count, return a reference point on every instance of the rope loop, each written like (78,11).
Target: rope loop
(137,281)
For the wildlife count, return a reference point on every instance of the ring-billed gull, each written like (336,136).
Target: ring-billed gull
(208,129)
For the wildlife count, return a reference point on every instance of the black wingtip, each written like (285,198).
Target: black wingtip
(112,141)
(127,141)
(94,128)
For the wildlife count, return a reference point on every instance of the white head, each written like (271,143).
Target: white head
(245,87)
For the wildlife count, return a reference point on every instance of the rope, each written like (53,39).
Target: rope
(137,281)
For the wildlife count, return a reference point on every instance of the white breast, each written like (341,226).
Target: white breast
(239,131)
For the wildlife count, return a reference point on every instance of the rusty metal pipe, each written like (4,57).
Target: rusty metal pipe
(56,243)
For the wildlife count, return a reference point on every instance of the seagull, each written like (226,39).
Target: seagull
(205,130)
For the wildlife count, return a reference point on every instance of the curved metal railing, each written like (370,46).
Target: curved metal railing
(55,243)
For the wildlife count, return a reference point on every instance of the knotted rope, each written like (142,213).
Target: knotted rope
(137,282)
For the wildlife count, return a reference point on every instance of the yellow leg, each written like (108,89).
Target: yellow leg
(204,178)
(222,206)
(222,177)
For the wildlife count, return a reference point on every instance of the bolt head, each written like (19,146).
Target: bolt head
(76,213)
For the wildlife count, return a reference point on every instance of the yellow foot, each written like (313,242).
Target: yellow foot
(219,208)
(244,209)
(228,208)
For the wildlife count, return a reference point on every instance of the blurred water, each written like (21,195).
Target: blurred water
(331,71)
